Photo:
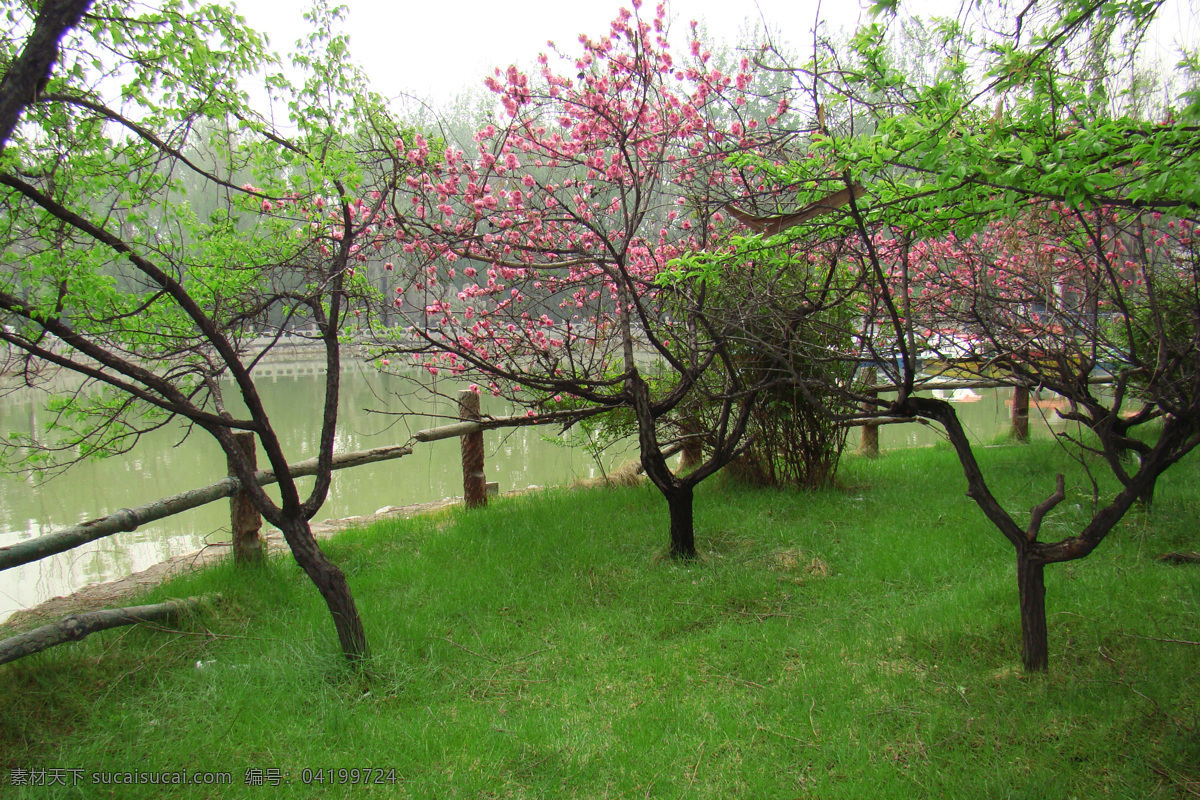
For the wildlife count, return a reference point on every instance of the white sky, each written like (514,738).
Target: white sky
(435,49)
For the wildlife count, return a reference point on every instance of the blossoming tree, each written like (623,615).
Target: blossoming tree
(1022,222)
(538,256)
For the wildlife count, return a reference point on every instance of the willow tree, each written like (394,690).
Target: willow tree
(108,271)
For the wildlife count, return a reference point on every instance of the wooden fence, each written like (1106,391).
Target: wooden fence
(245,522)
(469,430)
(1018,417)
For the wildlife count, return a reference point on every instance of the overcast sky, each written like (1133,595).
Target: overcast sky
(435,49)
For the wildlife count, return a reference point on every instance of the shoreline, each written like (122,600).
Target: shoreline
(109,593)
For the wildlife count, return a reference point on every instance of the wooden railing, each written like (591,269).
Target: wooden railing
(245,522)
(469,429)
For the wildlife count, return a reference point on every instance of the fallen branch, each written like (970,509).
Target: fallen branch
(79,626)
(1179,558)
(1164,641)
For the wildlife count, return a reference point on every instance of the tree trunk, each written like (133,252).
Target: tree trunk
(683,535)
(1146,498)
(678,493)
(1031,586)
(332,584)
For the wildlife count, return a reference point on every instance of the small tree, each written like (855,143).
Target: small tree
(538,258)
(1015,219)
(109,273)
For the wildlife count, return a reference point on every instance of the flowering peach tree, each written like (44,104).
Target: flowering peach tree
(535,259)
(1019,215)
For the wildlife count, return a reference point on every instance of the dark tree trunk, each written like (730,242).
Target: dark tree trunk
(28,73)
(1031,585)
(1146,498)
(683,537)
(677,493)
(332,584)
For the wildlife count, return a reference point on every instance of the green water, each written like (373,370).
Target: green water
(167,463)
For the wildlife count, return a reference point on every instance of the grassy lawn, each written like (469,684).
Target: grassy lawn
(859,642)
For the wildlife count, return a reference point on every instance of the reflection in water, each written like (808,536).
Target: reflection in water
(166,463)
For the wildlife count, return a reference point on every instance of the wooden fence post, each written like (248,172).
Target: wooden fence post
(474,480)
(244,519)
(868,443)
(1020,413)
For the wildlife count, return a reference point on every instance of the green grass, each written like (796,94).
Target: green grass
(859,642)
